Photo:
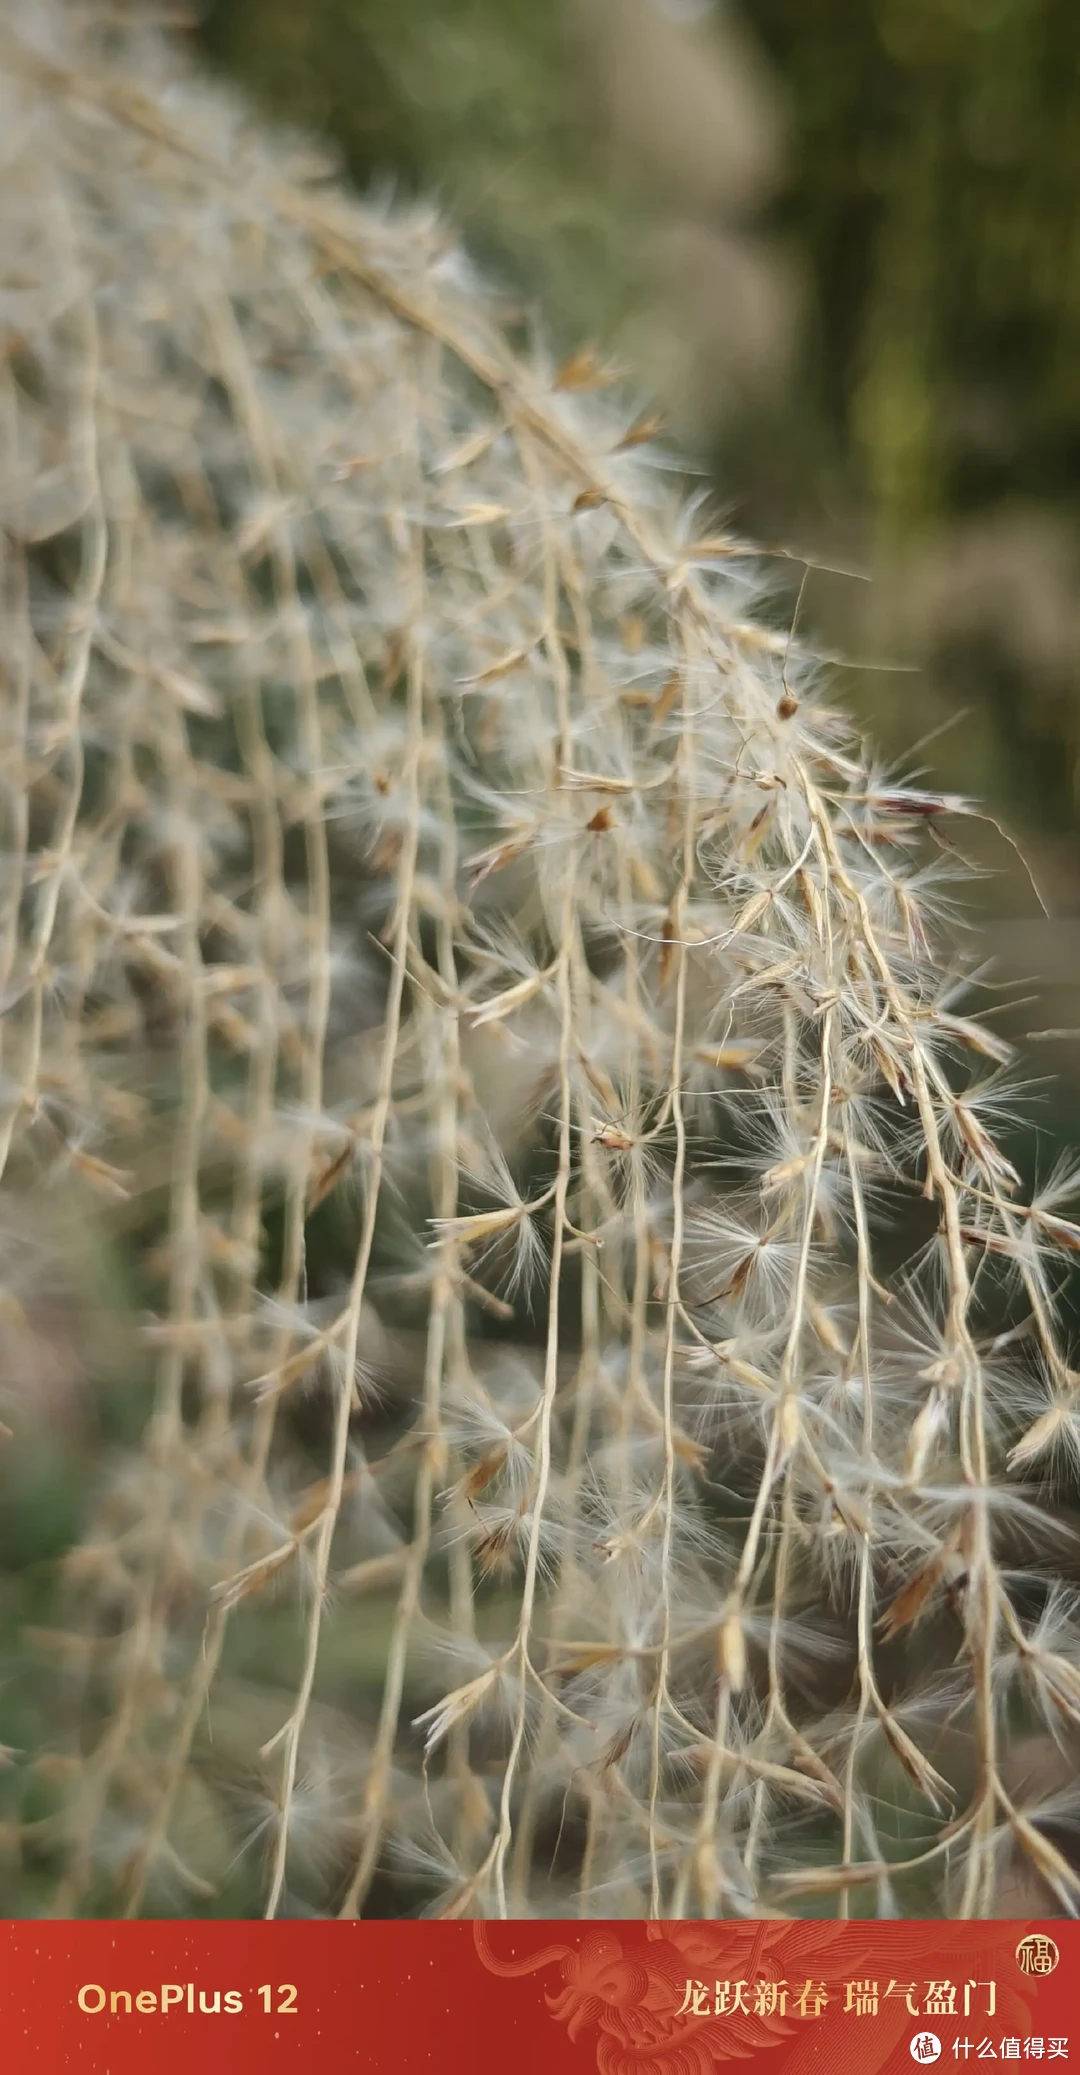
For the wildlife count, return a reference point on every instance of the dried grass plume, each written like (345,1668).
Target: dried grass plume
(496,1007)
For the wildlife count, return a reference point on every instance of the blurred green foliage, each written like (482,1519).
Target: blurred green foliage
(935,184)
(936,180)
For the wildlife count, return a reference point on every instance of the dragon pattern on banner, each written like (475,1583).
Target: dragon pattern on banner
(627,1988)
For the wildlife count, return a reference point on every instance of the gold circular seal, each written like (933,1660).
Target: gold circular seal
(1037,1954)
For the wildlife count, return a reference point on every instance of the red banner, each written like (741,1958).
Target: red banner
(605,1999)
